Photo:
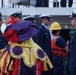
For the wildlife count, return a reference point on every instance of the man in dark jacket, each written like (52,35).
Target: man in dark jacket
(72,47)
(43,37)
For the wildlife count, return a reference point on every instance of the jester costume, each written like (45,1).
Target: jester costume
(22,56)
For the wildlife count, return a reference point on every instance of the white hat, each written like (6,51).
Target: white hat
(47,16)
(17,14)
(73,14)
(30,17)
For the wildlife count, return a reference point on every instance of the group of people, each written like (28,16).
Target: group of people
(21,55)
(29,50)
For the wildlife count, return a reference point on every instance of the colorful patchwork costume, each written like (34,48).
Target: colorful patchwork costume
(22,56)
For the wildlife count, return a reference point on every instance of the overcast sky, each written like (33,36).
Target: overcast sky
(6,3)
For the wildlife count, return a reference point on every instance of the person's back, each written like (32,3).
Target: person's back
(58,46)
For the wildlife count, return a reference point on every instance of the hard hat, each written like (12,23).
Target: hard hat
(55,26)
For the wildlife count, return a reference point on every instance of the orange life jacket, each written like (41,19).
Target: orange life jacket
(56,50)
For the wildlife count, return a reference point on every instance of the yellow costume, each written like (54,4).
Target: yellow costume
(29,54)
